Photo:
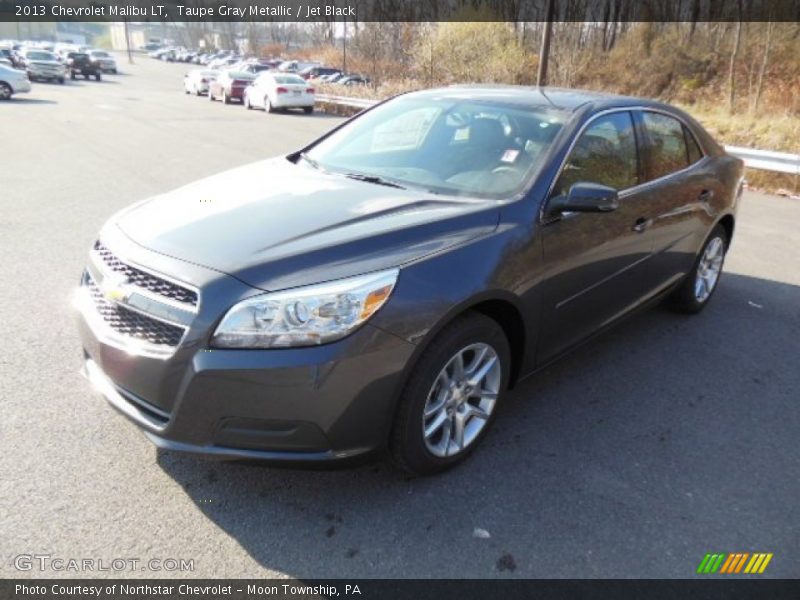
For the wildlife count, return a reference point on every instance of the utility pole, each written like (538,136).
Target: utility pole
(344,46)
(544,52)
(128,43)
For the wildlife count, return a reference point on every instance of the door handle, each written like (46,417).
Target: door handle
(642,224)
(706,195)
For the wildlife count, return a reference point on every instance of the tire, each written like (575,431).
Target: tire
(98,77)
(5,91)
(86,76)
(426,389)
(308,110)
(61,80)
(692,296)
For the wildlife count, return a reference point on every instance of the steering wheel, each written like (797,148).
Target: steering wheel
(504,169)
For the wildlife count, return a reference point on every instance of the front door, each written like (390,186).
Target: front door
(594,262)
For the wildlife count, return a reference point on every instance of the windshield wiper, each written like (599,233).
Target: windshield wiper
(374,179)
(309,160)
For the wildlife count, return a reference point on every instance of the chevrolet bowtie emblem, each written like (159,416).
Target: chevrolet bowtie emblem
(115,288)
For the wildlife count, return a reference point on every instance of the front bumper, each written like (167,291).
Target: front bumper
(21,86)
(45,73)
(299,405)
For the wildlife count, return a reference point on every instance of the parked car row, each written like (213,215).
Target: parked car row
(24,62)
(270,90)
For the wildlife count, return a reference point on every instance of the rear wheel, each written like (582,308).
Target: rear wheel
(5,91)
(449,401)
(700,284)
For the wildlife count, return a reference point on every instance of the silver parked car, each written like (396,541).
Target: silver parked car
(13,81)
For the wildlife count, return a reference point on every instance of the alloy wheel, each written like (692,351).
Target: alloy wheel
(461,400)
(708,269)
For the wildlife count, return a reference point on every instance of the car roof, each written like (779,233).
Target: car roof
(567,100)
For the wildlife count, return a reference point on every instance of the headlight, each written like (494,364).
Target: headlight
(305,316)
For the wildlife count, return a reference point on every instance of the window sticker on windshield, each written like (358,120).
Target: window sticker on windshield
(509,155)
(461,134)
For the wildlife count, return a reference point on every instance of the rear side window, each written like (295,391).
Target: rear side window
(667,151)
(605,153)
(692,146)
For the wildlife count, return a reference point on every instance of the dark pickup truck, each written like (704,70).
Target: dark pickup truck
(80,63)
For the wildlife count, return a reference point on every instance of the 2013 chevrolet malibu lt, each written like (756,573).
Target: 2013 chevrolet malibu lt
(383,287)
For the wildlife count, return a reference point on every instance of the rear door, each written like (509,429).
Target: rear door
(677,188)
(594,262)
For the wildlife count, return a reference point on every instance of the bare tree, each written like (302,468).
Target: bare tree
(732,67)
(764,65)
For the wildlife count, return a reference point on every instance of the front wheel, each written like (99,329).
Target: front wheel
(5,91)
(701,282)
(450,400)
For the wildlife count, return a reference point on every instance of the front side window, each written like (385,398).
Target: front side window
(667,152)
(605,153)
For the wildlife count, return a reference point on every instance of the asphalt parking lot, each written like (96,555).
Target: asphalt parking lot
(663,440)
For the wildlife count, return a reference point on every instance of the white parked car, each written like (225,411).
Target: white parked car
(278,91)
(43,64)
(196,81)
(13,81)
(108,63)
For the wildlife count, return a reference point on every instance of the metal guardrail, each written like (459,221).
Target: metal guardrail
(345,101)
(780,162)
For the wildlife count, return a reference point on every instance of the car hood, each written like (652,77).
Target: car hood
(275,224)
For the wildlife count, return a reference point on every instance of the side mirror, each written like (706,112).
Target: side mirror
(585,197)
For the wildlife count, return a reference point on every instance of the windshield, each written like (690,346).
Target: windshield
(40,55)
(450,146)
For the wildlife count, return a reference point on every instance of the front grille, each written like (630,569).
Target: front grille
(131,323)
(145,280)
